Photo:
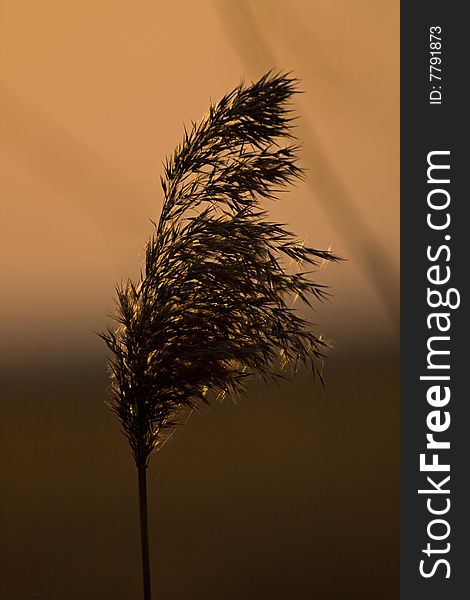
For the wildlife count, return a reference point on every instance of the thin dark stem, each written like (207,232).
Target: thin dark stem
(144,530)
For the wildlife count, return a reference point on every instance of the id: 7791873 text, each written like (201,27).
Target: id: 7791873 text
(435,64)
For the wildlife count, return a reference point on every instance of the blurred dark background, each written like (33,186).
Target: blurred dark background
(293,492)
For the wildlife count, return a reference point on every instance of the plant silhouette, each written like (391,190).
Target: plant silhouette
(212,306)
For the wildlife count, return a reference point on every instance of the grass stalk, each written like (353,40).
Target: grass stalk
(144,529)
(212,306)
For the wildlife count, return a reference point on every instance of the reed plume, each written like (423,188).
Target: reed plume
(212,305)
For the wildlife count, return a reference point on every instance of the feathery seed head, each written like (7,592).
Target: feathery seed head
(211,307)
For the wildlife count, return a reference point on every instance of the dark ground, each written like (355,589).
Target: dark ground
(292,494)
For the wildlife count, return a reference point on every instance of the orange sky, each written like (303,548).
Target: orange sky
(93,95)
